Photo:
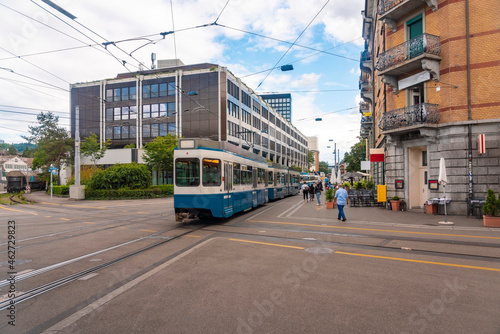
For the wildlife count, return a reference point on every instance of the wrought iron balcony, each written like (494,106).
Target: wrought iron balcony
(410,55)
(390,11)
(366,123)
(423,113)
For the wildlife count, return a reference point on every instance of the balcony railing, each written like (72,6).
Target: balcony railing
(423,44)
(386,5)
(407,6)
(424,113)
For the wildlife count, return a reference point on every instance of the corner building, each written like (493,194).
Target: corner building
(193,101)
(429,84)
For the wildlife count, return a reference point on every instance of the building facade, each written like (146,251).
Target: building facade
(428,82)
(193,101)
(281,103)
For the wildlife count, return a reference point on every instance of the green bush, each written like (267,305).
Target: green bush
(492,205)
(59,190)
(396,198)
(329,195)
(132,176)
(127,193)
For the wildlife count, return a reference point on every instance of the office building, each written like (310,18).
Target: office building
(281,103)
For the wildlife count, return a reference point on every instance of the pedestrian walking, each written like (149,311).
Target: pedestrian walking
(305,191)
(342,199)
(319,189)
(312,190)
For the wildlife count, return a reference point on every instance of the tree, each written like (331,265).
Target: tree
(295,168)
(55,145)
(159,154)
(355,156)
(91,148)
(310,159)
(323,167)
(12,150)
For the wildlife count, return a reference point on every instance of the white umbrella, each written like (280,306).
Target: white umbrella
(443,180)
(339,178)
(333,178)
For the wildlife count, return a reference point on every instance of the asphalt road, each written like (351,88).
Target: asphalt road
(286,267)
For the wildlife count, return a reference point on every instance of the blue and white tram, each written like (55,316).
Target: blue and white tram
(217,179)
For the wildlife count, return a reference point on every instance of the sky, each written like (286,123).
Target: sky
(42,52)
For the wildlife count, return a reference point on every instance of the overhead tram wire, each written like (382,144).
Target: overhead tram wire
(173,28)
(36,90)
(303,31)
(53,51)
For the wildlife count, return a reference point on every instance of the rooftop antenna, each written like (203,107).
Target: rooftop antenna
(153,59)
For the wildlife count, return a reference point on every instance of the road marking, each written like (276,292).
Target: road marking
(110,296)
(376,230)
(265,243)
(89,223)
(31,213)
(419,261)
(64,219)
(76,206)
(192,236)
(148,230)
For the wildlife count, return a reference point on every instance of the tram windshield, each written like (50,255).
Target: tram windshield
(187,172)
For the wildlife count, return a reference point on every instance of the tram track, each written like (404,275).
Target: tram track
(60,282)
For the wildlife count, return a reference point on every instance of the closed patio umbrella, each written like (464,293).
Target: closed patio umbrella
(443,180)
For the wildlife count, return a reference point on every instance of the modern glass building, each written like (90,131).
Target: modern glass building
(282,103)
(193,101)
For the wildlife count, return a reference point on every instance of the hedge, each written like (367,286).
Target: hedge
(59,190)
(127,193)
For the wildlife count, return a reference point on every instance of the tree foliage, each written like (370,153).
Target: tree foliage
(355,156)
(323,167)
(12,150)
(132,176)
(91,148)
(55,145)
(310,159)
(159,154)
(296,168)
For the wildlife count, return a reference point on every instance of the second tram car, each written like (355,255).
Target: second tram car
(220,179)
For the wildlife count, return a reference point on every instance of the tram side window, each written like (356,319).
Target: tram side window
(187,172)
(282,178)
(249,175)
(270,177)
(236,174)
(261,176)
(211,172)
(277,179)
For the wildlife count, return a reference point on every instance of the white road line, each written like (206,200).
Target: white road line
(100,302)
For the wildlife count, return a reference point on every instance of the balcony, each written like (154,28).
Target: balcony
(424,113)
(366,122)
(366,62)
(410,55)
(364,108)
(390,11)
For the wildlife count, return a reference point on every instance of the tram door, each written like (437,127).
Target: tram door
(228,185)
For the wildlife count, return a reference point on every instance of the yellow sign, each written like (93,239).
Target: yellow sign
(381,193)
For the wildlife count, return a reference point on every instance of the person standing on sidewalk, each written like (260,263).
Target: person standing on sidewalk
(305,191)
(312,190)
(319,189)
(342,199)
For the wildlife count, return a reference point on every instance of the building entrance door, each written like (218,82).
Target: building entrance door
(417,176)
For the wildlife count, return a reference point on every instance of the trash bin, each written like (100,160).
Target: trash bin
(431,208)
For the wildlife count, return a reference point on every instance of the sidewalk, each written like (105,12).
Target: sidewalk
(381,216)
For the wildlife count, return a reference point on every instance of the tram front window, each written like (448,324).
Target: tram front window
(211,172)
(187,172)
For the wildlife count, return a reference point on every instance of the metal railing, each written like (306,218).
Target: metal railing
(423,113)
(412,48)
(386,5)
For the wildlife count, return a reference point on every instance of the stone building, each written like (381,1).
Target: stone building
(429,87)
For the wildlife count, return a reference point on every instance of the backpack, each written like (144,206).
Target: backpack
(306,188)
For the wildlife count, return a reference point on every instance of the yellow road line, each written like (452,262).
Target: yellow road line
(376,230)
(31,213)
(419,261)
(192,236)
(64,219)
(88,223)
(268,244)
(76,206)
(148,230)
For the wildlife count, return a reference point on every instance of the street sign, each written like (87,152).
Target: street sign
(54,171)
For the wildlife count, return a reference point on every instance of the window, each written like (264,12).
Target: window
(163,90)
(146,111)
(171,88)
(211,172)
(154,130)
(132,93)
(116,132)
(125,113)
(163,129)
(109,95)
(236,174)
(109,132)
(155,110)
(133,112)
(109,114)
(187,172)
(424,158)
(125,132)
(414,27)
(132,131)
(125,94)
(167,109)
(146,131)
(146,92)
(261,176)
(117,94)
(154,90)
(171,128)
(118,114)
